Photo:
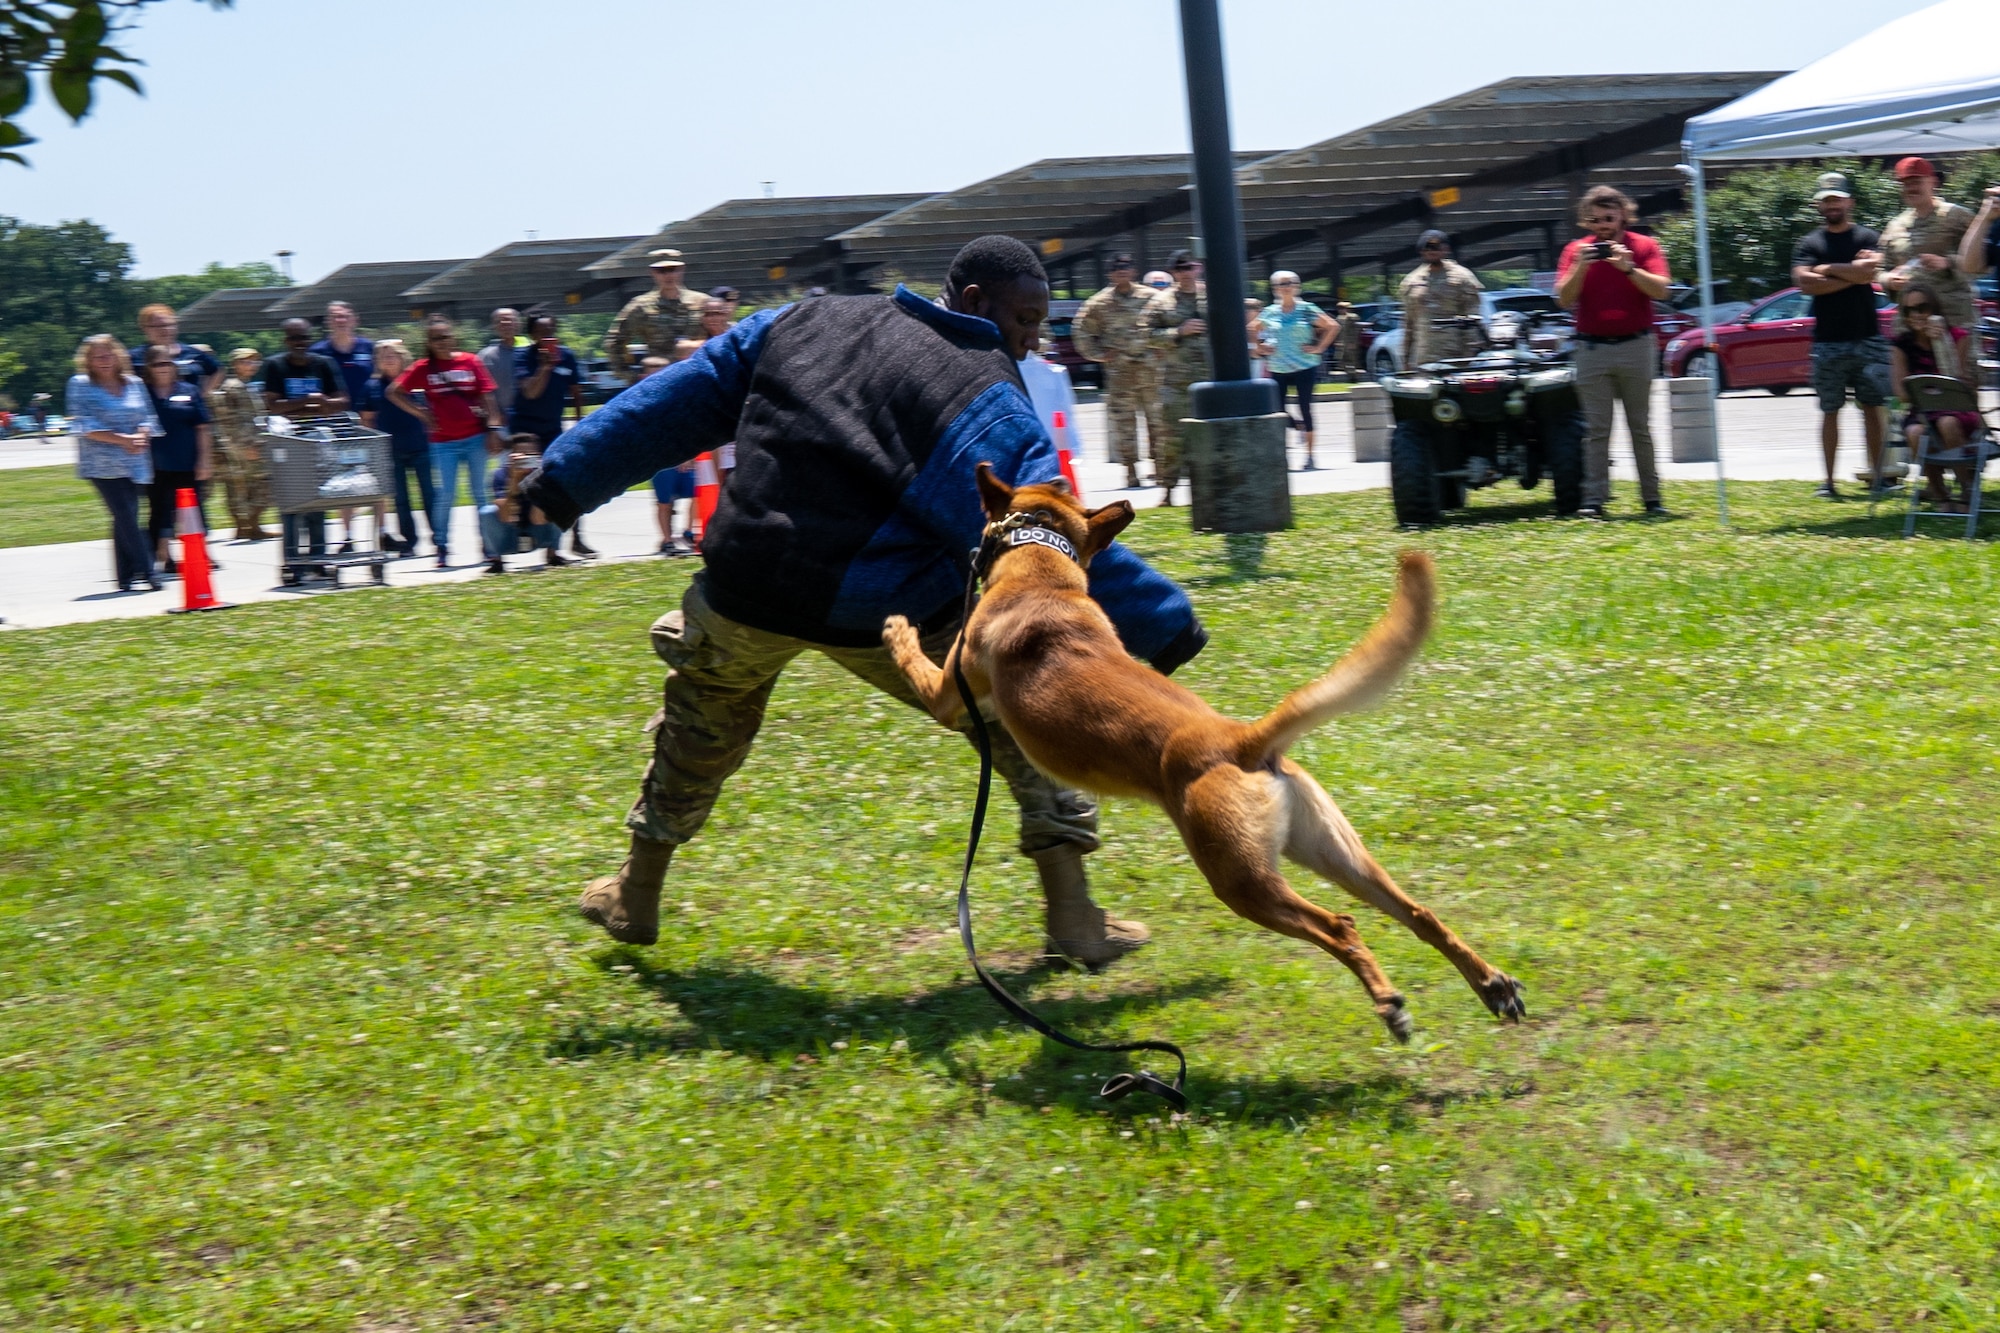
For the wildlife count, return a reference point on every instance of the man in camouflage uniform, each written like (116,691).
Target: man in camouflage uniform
(246,477)
(1920,246)
(666,320)
(1347,342)
(1177,326)
(1110,329)
(1438,288)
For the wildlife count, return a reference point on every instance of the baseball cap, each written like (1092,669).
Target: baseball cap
(1833,185)
(1181,259)
(724,293)
(1914,166)
(666,259)
(1118,261)
(1433,235)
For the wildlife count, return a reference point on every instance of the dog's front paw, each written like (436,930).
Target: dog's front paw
(1396,1017)
(898,632)
(1505,997)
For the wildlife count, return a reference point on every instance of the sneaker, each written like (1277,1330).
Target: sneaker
(1657,509)
(554,561)
(496,566)
(576,547)
(1310,466)
(667,549)
(444,558)
(1594,513)
(1826,490)
(346,548)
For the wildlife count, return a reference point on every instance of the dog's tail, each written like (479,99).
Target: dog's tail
(1357,680)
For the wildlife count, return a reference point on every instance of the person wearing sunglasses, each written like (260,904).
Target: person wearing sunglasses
(1438,288)
(461,416)
(1926,344)
(1297,334)
(1837,265)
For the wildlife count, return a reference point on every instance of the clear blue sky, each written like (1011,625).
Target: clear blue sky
(350,130)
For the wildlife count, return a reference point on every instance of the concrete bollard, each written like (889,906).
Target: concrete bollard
(1238,473)
(1372,422)
(1691,420)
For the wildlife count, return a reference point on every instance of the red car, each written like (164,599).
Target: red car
(1768,346)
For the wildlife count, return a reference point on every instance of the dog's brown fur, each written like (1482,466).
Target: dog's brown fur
(1087,714)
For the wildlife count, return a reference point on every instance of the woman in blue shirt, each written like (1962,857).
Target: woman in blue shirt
(409,442)
(1295,334)
(113,420)
(183,450)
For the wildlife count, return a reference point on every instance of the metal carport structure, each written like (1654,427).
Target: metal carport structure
(523,274)
(756,245)
(375,290)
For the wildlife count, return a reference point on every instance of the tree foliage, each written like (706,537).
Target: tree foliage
(1757,215)
(66,45)
(60,284)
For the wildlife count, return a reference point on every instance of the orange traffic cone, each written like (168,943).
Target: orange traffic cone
(1062,455)
(707,494)
(197,589)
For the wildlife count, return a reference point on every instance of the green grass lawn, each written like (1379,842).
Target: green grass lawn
(297,1030)
(40,506)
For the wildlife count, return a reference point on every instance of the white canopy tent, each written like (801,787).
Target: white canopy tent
(1927,83)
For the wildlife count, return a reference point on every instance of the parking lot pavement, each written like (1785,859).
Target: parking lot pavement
(1764,438)
(36,451)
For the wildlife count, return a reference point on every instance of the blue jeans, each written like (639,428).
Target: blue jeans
(446,455)
(419,466)
(131,553)
(499,538)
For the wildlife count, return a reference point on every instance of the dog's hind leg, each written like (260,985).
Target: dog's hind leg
(936,690)
(1232,823)
(1321,839)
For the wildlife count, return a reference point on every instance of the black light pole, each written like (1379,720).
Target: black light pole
(1236,441)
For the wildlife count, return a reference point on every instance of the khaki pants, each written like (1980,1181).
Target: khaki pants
(1132,390)
(1617,373)
(721,679)
(1175,404)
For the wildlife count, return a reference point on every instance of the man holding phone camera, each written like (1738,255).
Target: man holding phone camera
(1610,279)
(1979,250)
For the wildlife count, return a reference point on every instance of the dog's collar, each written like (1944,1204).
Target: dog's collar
(1018,529)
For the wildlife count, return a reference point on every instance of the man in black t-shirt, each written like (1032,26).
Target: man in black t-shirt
(1836,266)
(302,383)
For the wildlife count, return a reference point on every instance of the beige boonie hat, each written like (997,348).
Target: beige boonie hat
(666,259)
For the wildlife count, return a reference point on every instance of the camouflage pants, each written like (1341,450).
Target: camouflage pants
(721,680)
(1132,390)
(247,484)
(1174,406)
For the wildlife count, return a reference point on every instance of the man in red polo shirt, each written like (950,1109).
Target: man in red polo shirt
(1611,278)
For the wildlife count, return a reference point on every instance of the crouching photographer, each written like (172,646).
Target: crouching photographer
(508,524)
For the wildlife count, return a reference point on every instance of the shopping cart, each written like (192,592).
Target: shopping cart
(322,463)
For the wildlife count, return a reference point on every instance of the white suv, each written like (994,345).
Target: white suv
(1385,354)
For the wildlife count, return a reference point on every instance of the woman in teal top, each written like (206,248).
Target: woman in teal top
(114,424)
(1295,334)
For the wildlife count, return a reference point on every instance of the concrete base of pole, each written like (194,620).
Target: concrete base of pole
(1237,470)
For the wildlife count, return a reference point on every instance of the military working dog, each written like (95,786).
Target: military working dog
(1048,660)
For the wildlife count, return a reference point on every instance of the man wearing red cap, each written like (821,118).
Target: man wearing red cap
(1920,247)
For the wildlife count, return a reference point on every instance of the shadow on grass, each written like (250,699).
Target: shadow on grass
(1887,525)
(752,1013)
(1244,553)
(755,1014)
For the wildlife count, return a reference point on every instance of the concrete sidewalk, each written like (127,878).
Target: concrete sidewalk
(1764,438)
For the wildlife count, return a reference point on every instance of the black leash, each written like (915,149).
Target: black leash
(1119,1084)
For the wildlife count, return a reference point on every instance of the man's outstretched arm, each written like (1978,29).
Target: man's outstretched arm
(660,422)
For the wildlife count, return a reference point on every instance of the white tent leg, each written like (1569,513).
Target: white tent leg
(1706,273)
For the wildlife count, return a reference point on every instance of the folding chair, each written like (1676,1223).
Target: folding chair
(1942,393)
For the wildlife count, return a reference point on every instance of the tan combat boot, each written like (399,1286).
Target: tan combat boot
(627,904)
(1078,929)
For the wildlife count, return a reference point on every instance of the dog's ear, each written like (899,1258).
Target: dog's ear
(1061,484)
(1105,524)
(995,495)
